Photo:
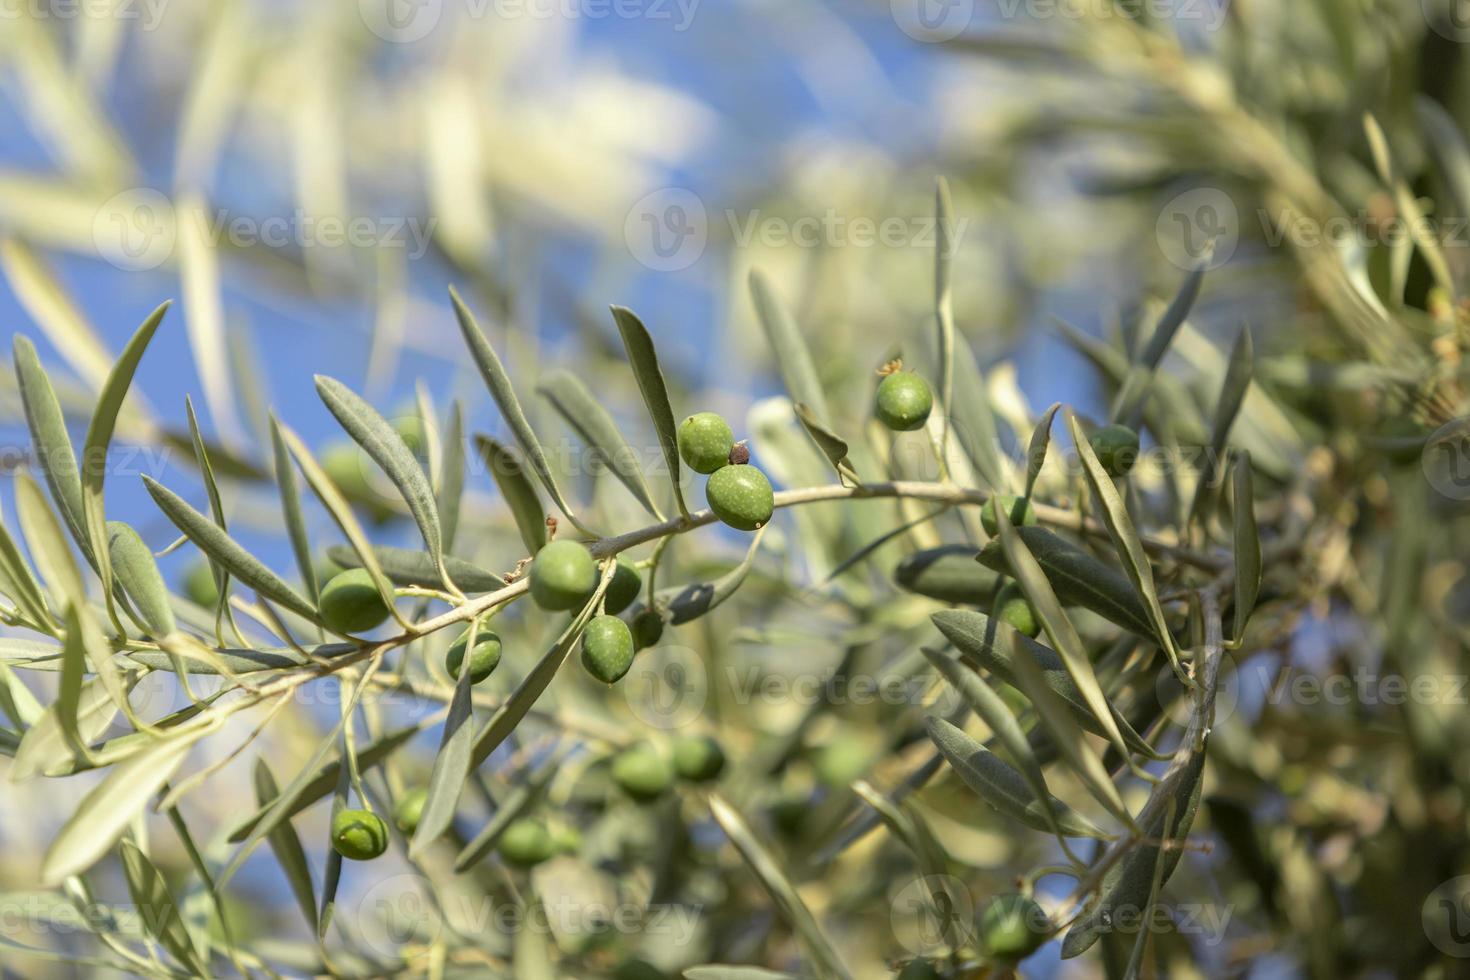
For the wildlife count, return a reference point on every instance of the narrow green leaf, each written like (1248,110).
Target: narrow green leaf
(99,440)
(1002,787)
(386,447)
(1078,578)
(684,604)
(1448,145)
(139,577)
(1247,544)
(768,871)
(1037,449)
(47,542)
(793,359)
(948,573)
(570,397)
(974,419)
(831,445)
(216,510)
(103,813)
(451,765)
(519,493)
(20,583)
(161,914)
(404,566)
(286,846)
(50,439)
(510,407)
(224,549)
(944,249)
(1128,405)
(17,701)
(451,480)
(80,715)
(1232,395)
(643,358)
(1125,539)
(515,803)
(291,514)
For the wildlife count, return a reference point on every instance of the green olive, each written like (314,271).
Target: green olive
(698,758)
(350,602)
(741,497)
(623,590)
(607,648)
(642,773)
(1116,448)
(526,843)
(903,401)
(1018,509)
(705,441)
(200,586)
(1013,927)
(359,835)
(1012,608)
(410,810)
(563,576)
(648,629)
(483,660)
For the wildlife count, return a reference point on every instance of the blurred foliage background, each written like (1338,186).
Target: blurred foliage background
(550,159)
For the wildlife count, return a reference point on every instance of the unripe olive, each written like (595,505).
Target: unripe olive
(623,590)
(607,648)
(200,586)
(698,758)
(648,629)
(789,812)
(1116,448)
(705,441)
(904,401)
(741,497)
(839,762)
(350,602)
(563,576)
(1018,509)
(483,659)
(1012,608)
(948,573)
(410,810)
(565,838)
(1013,927)
(526,843)
(642,773)
(410,429)
(359,835)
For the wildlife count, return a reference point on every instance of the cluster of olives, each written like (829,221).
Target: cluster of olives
(738,493)
(564,576)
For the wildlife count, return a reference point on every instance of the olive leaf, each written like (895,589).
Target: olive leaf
(974,419)
(451,764)
(80,715)
(1447,145)
(17,701)
(159,912)
(944,249)
(1002,787)
(1128,406)
(451,481)
(224,549)
(768,871)
(139,577)
(1232,395)
(404,566)
(684,604)
(99,440)
(1125,539)
(52,444)
(20,584)
(1078,578)
(948,573)
(216,510)
(1036,450)
(291,513)
(105,812)
(286,845)
(831,445)
(793,358)
(519,493)
(643,358)
(522,796)
(1247,544)
(386,447)
(510,407)
(570,397)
